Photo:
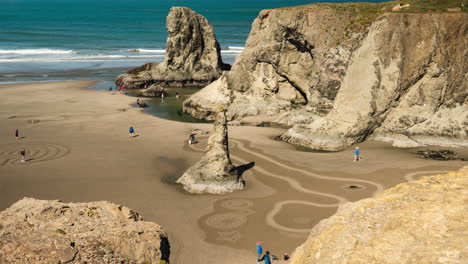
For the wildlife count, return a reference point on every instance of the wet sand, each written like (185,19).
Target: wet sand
(78,150)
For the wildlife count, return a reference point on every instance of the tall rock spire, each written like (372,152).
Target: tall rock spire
(214,173)
(193,55)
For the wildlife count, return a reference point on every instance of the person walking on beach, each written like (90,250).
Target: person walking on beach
(191,139)
(266,258)
(17,134)
(259,249)
(356,154)
(138,102)
(131,131)
(23,155)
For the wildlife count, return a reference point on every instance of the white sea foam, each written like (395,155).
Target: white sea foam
(85,58)
(236,48)
(34,51)
(148,50)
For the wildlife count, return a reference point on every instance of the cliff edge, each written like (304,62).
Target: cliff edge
(192,58)
(40,232)
(343,73)
(423,221)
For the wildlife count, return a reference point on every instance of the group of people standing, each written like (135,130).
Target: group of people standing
(267,257)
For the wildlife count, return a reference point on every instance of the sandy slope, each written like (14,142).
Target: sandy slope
(79,150)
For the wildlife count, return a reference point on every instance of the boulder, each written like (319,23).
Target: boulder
(154,91)
(43,232)
(214,173)
(419,222)
(193,55)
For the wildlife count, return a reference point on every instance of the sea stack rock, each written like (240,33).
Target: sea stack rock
(193,55)
(419,222)
(391,76)
(42,232)
(214,173)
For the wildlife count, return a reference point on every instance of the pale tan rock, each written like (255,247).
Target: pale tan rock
(193,55)
(40,232)
(420,222)
(214,173)
(391,75)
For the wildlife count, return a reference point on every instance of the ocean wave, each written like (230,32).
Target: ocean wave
(34,51)
(233,52)
(236,48)
(84,58)
(148,50)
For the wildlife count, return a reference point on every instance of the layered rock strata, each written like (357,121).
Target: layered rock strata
(214,173)
(419,222)
(193,55)
(40,232)
(343,73)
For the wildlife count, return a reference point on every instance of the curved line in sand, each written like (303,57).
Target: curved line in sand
(270,217)
(379,187)
(410,176)
(293,183)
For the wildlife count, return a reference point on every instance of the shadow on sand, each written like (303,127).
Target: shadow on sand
(243,168)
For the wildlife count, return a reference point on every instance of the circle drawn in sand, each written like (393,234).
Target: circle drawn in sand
(354,187)
(237,204)
(226,221)
(35,152)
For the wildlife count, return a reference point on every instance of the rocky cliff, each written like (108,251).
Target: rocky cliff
(342,73)
(423,221)
(40,232)
(193,55)
(214,173)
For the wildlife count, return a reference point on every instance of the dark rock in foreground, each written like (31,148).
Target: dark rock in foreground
(40,232)
(193,55)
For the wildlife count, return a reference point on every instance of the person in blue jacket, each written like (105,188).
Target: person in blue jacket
(259,249)
(266,258)
(357,156)
(131,131)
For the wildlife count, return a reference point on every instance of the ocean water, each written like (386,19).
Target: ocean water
(43,40)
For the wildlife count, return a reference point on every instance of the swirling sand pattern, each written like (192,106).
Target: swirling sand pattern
(226,221)
(35,152)
(296,185)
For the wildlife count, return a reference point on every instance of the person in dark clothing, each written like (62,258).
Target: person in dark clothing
(23,155)
(131,131)
(191,139)
(17,134)
(266,258)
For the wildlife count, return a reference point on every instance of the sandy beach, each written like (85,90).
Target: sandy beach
(78,150)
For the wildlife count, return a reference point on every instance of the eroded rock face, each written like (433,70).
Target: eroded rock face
(193,56)
(391,76)
(40,232)
(419,222)
(214,173)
